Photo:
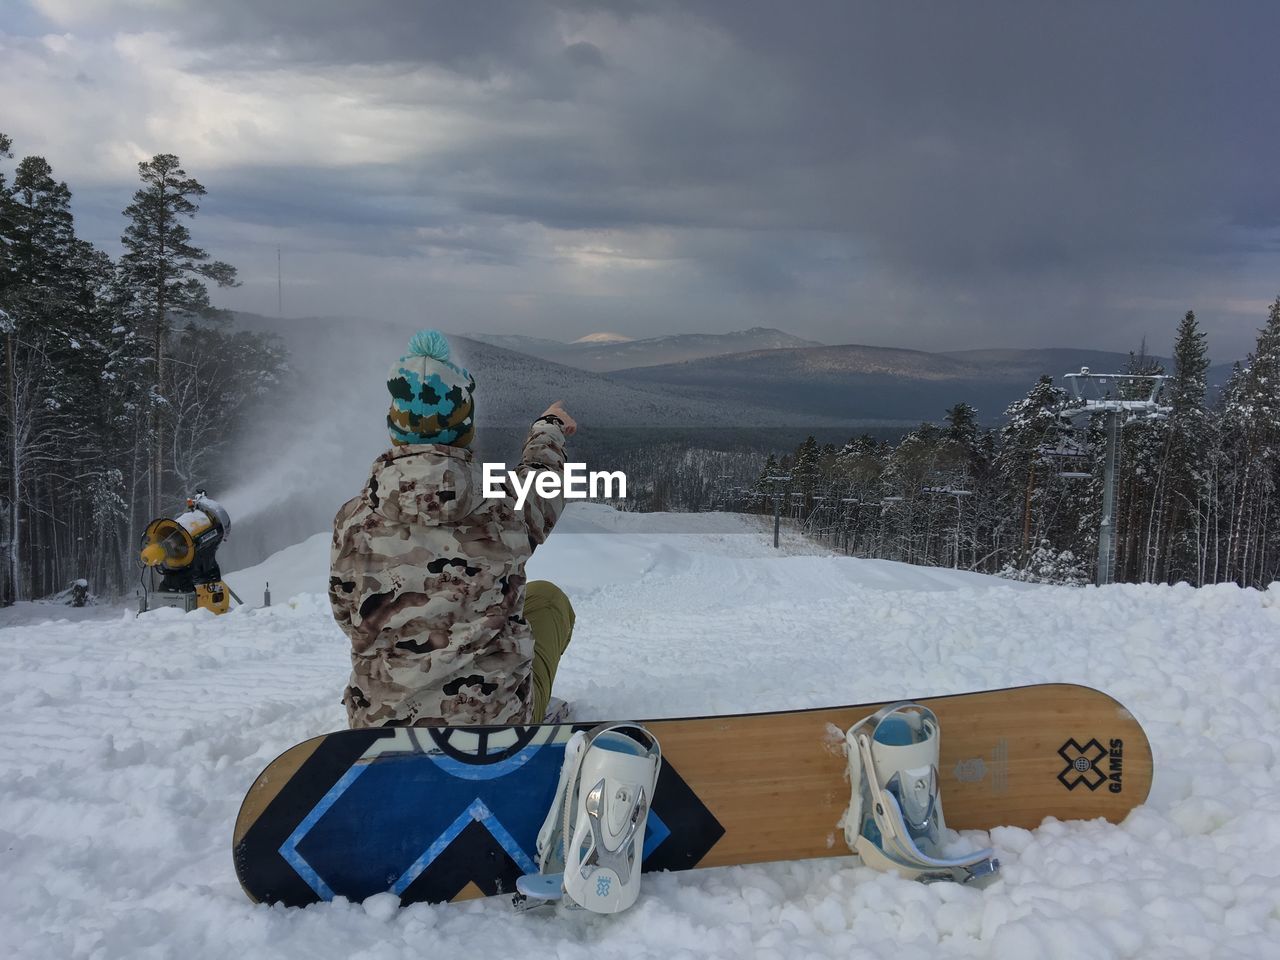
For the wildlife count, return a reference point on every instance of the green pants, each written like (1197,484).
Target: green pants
(550,617)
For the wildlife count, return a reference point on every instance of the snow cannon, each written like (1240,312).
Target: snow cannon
(182,550)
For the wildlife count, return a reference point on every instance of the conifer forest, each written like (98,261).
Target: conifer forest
(123,387)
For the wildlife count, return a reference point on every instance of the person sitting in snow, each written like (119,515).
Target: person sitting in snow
(427,575)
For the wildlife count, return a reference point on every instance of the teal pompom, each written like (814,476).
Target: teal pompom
(429,343)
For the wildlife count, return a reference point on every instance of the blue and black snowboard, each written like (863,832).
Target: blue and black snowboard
(437,814)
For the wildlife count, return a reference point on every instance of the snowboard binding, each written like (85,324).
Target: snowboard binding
(591,845)
(894,821)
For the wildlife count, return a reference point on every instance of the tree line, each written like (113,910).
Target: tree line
(1196,490)
(122,384)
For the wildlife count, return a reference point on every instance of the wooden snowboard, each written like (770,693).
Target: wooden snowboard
(436,814)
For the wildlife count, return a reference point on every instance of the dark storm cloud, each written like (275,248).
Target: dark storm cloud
(1007,166)
(465,35)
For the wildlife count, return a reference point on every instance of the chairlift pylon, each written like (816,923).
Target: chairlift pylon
(1105,394)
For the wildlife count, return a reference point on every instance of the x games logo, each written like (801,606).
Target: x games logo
(1082,764)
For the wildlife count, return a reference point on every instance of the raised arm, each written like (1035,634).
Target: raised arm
(544,450)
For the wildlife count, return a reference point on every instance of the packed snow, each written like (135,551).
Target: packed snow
(129,743)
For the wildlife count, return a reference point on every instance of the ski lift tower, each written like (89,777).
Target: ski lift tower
(1121,398)
(774,482)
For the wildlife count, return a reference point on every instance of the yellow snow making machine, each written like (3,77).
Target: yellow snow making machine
(182,550)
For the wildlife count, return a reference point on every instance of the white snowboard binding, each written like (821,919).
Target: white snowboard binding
(894,821)
(592,842)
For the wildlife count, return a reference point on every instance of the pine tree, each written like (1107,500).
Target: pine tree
(960,442)
(98,394)
(7,222)
(165,273)
(1252,424)
(43,233)
(1230,426)
(962,425)
(805,472)
(10,575)
(764,486)
(1183,472)
(37,297)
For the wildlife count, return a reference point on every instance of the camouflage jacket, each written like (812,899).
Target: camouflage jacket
(427,580)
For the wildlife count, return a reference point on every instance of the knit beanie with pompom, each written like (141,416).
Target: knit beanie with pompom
(431,397)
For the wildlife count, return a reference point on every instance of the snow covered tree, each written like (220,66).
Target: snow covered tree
(9,570)
(1047,565)
(915,469)
(962,425)
(806,470)
(969,472)
(764,486)
(1033,491)
(1250,431)
(43,232)
(1183,506)
(859,467)
(37,293)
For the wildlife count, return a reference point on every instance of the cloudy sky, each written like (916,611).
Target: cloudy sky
(930,175)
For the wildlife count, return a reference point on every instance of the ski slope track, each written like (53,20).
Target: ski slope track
(127,745)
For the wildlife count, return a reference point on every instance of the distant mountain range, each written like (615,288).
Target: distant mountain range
(758,377)
(789,377)
(514,385)
(877,383)
(606,352)
(761,376)
(513,388)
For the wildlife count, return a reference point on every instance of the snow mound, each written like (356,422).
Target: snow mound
(128,744)
(301,568)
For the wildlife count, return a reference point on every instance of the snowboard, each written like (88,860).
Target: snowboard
(450,813)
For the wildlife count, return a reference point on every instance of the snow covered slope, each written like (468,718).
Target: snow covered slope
(128,743)
(580,560)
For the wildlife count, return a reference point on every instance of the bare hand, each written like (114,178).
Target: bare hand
(557,410)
